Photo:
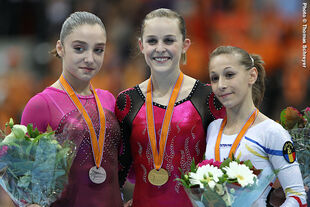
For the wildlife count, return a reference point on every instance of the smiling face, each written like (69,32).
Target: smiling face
(82,52)
(162,44)
(230,81)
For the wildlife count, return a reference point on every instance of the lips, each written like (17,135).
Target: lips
(224,95)
(87,68)
(161,59)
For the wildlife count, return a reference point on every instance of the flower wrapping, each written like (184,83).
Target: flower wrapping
(34,166)
(231,183)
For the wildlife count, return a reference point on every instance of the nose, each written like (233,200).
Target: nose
(222,83)
(160,47)
(89,58)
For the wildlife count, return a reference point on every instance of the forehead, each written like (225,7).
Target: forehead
(87,33)
(222,61)
(161,26)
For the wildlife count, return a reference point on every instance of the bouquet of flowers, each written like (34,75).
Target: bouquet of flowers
(34,166)
(298,125)
(230,183)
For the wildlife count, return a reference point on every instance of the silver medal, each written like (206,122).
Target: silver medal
(97,175)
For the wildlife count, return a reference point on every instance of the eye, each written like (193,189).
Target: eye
(78,49)
(152,41)
(169,41)
(229,75)
(214,78)
(99,50)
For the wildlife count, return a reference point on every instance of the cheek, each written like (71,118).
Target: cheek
(214,87)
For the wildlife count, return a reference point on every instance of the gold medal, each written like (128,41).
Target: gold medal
(158,177)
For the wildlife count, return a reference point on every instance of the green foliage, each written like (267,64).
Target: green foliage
(33,165)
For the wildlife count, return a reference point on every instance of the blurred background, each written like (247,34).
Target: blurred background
(272,28)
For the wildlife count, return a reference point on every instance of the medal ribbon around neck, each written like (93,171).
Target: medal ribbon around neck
(243,130)
(97,148)
(158,155)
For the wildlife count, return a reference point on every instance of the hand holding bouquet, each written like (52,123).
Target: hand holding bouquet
(34,166)
(230,183)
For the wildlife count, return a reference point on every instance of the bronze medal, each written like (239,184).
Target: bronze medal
(158,177)
(97,175)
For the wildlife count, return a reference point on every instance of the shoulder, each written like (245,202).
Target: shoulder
(107,99)
(214,125)
(126,94)
(273,128)
(36,111)
(37,102)
(204,92)
(125,101)
(273,134)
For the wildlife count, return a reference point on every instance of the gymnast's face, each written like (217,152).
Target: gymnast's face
(230,81)
(83,52)
(162,44)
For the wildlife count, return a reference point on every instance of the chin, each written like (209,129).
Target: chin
(228,104)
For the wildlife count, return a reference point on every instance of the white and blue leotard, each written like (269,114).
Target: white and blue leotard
(267,145)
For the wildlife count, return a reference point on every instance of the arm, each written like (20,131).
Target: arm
(289,173)
(122,109)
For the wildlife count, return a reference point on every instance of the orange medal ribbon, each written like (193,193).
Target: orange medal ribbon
(234,146)
(158,156)
(97,148)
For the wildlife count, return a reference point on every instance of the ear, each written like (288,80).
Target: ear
(186,44)
(140,45)
(253,75)
(59,48)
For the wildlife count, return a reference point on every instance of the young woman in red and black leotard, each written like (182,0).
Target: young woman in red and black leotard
(164,119)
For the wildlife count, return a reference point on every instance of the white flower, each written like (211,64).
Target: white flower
(18,131)
(206,174)
(243,174)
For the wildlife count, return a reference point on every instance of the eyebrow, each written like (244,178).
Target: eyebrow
(226,68)
(82,42)
(154,36)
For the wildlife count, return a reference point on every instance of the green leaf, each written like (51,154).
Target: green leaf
(225,163)
(193,166)
(30,130)
(11,123)
(248,163)
(283,118)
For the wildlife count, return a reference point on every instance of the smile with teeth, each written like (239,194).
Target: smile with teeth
(161,59)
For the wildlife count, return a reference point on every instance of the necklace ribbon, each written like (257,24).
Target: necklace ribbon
(243,130)
(96,148)
(158,156)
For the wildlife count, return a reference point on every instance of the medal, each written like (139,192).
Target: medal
(234,146)
(97,175)
(159,176)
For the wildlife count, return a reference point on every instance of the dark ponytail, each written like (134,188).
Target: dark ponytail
(258,89)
